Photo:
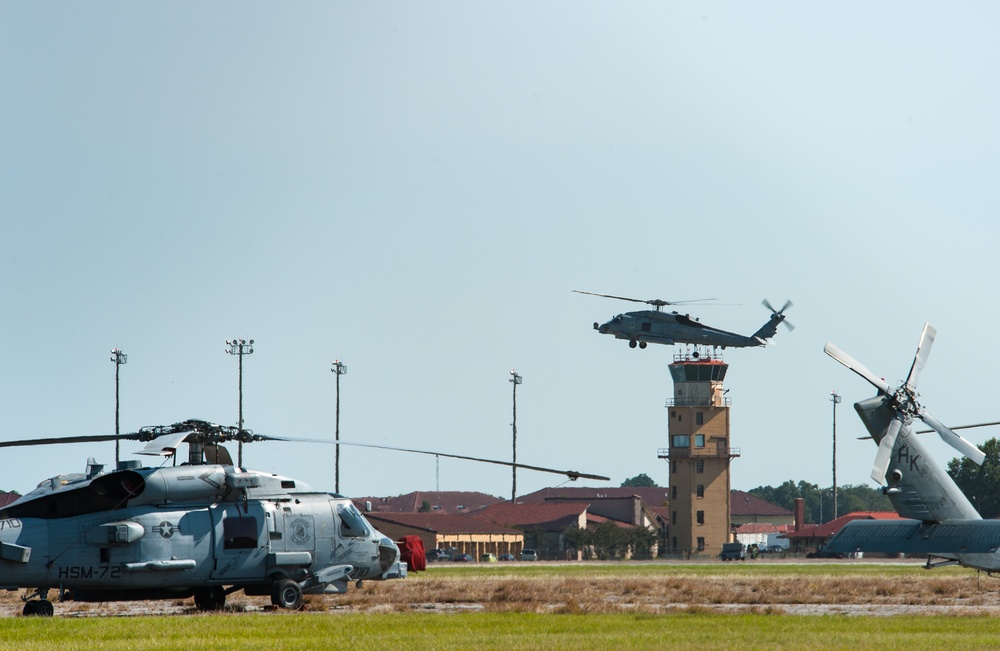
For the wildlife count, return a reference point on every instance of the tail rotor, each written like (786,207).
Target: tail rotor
(903,401)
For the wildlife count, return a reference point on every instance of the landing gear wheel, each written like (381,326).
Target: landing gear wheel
(632,343)
(207,599)
(38,608)
(286,593)
(642,344)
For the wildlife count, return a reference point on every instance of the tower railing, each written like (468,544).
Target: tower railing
(707,452)
(699,402)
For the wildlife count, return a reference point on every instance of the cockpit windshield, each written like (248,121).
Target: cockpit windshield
(352,523)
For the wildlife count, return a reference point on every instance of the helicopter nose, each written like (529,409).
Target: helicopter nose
(596,327)
(388,554)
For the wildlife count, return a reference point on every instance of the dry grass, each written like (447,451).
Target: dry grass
(641,589)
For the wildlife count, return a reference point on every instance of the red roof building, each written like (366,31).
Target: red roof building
(815,536)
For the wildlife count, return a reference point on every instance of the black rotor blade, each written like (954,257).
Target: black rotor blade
(69,439)
(928,431)
(572,474)
(620,298)
(656,301)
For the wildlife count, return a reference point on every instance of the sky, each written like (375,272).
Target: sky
(416,189)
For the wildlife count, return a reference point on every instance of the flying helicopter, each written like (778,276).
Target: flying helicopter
(202,529)
(658,327)
(938,519)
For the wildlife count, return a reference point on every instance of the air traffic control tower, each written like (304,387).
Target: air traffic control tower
(699,454)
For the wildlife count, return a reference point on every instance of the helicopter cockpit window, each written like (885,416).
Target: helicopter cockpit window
(352,523)
(240,533)
(617,319)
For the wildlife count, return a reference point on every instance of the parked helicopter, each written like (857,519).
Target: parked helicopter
(939,521)
(668,328)
(205,528)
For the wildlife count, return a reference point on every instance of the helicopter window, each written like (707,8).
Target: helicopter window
(617,319)
(352,524)
(646,326)
(240,533)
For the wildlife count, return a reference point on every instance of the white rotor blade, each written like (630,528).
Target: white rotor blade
(953,439)
(920,358)
(857,367)
(885,450)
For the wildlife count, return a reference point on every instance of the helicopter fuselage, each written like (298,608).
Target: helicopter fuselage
(202,530)
(652,326)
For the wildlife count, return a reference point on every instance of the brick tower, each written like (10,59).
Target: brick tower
(699,455)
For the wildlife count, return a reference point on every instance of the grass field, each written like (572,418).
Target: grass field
(303,631)
(591,606)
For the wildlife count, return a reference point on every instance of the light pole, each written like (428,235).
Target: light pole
(835,399)
(119,358)
(240,347)
(339,369)
(515,379)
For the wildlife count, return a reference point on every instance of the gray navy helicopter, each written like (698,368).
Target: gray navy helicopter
(658,327)
(938,519)
(202,529)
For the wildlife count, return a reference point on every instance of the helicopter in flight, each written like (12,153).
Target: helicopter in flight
(658,327)
(202,529)
(938,520)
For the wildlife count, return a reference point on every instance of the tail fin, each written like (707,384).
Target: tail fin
(770,328)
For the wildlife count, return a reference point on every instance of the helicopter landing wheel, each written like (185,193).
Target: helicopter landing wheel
(642,344)
(286,593)
(38,608)
(208,599)
(632,343)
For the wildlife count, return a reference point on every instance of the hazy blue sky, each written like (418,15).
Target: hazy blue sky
(416,188)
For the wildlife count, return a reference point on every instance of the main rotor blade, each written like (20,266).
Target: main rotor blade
(572,474)
(68,439)
(656,301)
(857,367)
(885,450)
(928,431)
(953,439)
(920,358)
(620,298)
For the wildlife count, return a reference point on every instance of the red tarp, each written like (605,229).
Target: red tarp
(411,552)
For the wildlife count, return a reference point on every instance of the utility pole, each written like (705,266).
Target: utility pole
(240,347)
(515,379)
(338,369)
(119,358)
(835,398)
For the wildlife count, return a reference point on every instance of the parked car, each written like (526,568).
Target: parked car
(529,555)
(433,555)
(465,558)
(734,551)
(488,558)
(506,557)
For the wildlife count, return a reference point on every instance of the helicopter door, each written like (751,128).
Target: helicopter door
(240,539)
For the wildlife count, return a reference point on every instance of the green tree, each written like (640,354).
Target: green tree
(425,507)
(819,501)
(981,484)
(641,480)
